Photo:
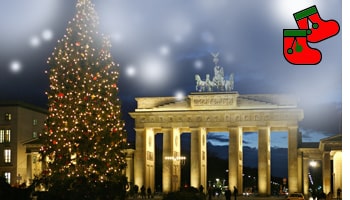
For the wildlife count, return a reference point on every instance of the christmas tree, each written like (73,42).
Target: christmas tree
(85,135)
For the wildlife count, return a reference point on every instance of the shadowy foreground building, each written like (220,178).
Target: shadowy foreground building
(20,125)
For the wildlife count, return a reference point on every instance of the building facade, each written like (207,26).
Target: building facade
(327,157)
(19,123)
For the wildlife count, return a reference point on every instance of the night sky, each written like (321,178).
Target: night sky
(161,44)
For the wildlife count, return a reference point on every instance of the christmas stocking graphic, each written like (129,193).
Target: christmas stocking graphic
(320,29)
(296,49)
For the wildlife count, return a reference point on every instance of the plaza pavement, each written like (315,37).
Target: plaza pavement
(222,197)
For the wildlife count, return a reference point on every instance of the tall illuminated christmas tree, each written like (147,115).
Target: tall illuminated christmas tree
(85,134)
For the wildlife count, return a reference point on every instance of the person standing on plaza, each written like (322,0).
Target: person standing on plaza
(143,192)
(338,193)
(149,192)
(228,194)
(136,191)
(210,192)
(235,192)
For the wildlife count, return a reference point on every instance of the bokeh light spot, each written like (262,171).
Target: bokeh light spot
(154,72)
(47,34)
(130,71)
(34,41)
(179,95)
(198,64)
(164,50)
(15,66)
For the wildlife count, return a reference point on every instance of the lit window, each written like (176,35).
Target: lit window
(35,134)
(2,136)
(7,136)
(7,155)
(35,122)
(8,116)
(8,177)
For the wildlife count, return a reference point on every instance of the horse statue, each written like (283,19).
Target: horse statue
(218,83)
(200,84)
(229,83)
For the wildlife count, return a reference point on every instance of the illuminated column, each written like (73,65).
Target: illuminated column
(326,172)
(235,162)
(176,179)
(167,165)
(129,171)
(337,167)
(264,161)
(29,168)
(140,157)
(171,163)
(199,157)
(306,164)
(293,159)
(150,159)
(300,171)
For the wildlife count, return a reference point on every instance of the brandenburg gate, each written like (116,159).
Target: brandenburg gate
(204,112)
(215,107)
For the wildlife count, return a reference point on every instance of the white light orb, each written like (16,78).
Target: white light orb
(47,35)
(34,41)
(130,71)
(164,50)
(179,95)
(15,66)
(198,64)
(154,72)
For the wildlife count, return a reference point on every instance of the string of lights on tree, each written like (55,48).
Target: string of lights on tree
(85,134)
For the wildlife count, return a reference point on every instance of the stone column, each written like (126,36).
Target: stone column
(167,165)
(29,167)
(337,167)
(129,172)
(306,175)
(177,163)
(300,171)
(235,162)
(140,157)
(199,157)
(171,163)
(150,159)
(293,159)
(264,161)
(326,172)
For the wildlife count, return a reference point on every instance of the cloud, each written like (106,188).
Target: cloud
(219,139)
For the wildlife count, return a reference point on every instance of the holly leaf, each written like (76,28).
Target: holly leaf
(298,47)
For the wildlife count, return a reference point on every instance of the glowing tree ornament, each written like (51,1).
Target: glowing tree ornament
(87,136)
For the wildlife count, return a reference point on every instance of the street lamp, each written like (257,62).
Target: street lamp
(313,163)
(315,176)
(176,158)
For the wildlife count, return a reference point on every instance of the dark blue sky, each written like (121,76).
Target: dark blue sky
(161,44)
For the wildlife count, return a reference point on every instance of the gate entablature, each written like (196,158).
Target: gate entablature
(217,110)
